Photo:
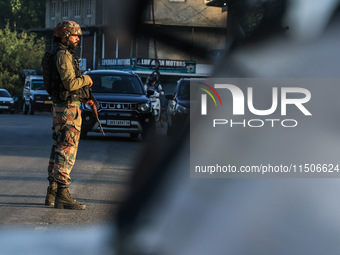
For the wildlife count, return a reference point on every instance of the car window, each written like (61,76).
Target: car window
(116,84)
(37,85)
(184,91)
(4,93)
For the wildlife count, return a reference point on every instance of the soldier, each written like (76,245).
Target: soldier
(67,87)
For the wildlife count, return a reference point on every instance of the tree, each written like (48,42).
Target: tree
(5,13)
(22,14)
(18,51)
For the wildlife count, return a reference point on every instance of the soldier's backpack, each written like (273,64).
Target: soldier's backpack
(47,65)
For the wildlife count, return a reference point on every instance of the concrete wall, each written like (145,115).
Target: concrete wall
(84,19)
(189,19)
(188,13)
(209,38)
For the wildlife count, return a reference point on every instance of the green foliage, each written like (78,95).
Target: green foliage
(6,14)
(18,51)
(22,14)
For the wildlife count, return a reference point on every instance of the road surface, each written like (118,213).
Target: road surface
(100,175)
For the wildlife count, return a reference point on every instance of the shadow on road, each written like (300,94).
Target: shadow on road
(22,205)
(42,205)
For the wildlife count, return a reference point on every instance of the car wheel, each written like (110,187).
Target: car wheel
(156,115)
(31,108)
(25,108)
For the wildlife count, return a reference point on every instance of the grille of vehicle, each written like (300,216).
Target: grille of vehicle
(118,106)
(42,97)
(5,103)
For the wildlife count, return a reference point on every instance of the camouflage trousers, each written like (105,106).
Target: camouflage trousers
(66,133)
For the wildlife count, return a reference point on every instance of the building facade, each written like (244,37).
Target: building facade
(191,20)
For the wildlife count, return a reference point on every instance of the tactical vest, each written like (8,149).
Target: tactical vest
(58,91)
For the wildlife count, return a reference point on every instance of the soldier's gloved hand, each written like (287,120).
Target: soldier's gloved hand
(91,82)
(89,102)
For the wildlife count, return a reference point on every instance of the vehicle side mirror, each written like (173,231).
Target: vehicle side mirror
(169,96)
(150,92)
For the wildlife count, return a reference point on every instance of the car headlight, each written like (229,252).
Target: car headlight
(182,109)
(144,107)
(11,102)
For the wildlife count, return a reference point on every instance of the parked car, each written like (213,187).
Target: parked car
(35,97)
(6,102)
(178,110)
(124,105)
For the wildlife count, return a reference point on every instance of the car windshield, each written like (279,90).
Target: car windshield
(184,91)
(37,85)
(120,84)
(4,93)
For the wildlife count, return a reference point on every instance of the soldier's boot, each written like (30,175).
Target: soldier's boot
(51,194)
(64,200)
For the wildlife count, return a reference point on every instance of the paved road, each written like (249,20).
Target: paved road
(100,175)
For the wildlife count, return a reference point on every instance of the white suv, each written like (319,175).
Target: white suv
(6,102)
(35,97)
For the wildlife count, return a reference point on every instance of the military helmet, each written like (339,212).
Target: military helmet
(67,28)
(154,76)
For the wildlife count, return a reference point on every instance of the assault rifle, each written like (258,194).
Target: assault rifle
(94,108)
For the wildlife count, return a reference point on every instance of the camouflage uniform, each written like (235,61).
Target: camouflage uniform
(66,120)
(68,88)
(66,133)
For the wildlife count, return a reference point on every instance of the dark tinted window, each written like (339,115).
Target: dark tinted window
(4,93)
(37,85)
(116,84)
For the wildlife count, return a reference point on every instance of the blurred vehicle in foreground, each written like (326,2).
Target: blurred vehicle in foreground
(168,212)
